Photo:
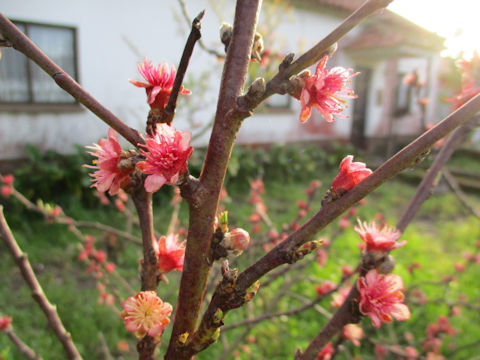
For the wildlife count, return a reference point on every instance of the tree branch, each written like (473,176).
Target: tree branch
(23,44)
(48,309)
(149,265)
(424,189)
(202,215)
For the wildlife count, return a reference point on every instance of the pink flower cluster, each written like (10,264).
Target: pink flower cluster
(166,155)
(146,314)
(95,259)
(7,188)
(324,90)
(381,297)
(350,175)
(159,83)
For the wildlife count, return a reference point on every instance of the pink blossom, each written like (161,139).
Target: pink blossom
(145,313)
(122,346)
(6,190)
(347,270)
(170,253)
(350,175)
(354,333)
(379,239)
(325,287)
(323,91)
(5,322)
(326,353)
(101,256)
(159,83)
(110,267)
(108,175)
(381,297)
(7,179)
(411,352)
(166,157)
(340,296)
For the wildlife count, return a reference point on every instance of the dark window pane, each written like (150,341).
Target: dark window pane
(58,44)
(13,75)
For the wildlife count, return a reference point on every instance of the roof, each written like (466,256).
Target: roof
(383,29)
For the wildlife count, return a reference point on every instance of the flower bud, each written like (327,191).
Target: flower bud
(237,240)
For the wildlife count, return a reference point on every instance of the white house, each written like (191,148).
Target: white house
(100,43)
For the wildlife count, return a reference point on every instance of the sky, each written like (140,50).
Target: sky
(456,20)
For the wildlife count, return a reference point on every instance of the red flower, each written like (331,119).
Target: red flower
(381,297)
(145,313)
(166,157)
(5,322)
(6,190)
(323,91)
(353,332)
(159,83)
(326,353)
(379,239)
(325,287)
(351,174)
(7,179)
(170,253)
(108,175)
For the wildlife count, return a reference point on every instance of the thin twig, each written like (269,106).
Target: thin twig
(183,7)
(107,355)
(69,221)
(48,309)
(453,184)
(423,190)
(24,349)
(195,35)
(23,44)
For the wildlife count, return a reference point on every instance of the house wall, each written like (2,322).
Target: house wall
(114,35)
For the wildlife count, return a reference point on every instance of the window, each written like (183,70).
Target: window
(24,82)
(403,96)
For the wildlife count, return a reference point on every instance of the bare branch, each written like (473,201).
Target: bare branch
(23,44)
(202,214)
(48,309)
(24,349)
(459,193)
(195,35)
(423,190)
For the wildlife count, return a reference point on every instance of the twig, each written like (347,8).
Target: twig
(49,310)
(423,190)
(23,44)
(21,346)
(107,355)
(69,221)
(195,35)
(347,313)
(183,7)
(453,184)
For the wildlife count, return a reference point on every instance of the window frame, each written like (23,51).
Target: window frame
(36,106)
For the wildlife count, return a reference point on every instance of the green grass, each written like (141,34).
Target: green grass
(442,232)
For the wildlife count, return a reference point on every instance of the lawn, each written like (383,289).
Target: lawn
(437,239)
